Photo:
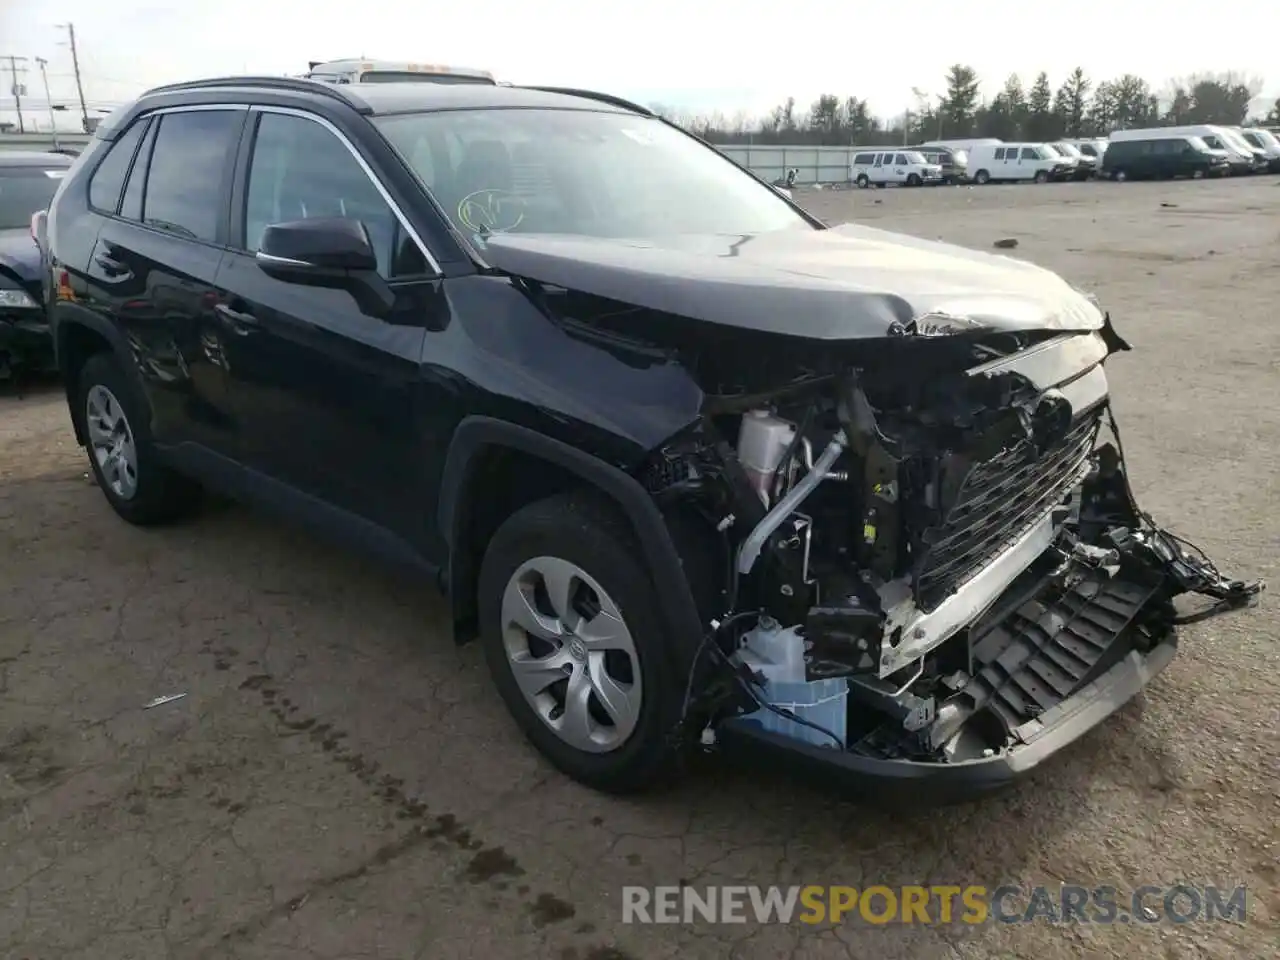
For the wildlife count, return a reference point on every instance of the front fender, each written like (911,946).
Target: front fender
(472,439)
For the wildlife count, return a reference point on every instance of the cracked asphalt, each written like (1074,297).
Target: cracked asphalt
(340,781)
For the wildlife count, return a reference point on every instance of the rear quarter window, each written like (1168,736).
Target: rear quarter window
(107,180)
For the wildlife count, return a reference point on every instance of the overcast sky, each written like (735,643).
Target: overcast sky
(699,55)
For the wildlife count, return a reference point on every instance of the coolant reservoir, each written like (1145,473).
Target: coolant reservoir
(762,441)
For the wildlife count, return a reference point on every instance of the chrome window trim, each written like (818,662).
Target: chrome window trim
(190,108)
(368,171)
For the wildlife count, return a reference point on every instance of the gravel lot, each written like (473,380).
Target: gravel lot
(340,782)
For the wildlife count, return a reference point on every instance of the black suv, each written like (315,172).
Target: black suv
(695,468)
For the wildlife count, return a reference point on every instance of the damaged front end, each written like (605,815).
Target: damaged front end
(934,565)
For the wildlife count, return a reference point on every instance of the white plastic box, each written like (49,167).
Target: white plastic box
(777,655)
(823,702)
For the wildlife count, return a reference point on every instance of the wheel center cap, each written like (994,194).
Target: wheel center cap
(577,649)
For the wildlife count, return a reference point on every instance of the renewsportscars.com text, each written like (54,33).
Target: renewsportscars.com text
(936,904)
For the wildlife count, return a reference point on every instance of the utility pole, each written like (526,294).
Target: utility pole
(16,90)
(48,99)
(75,63)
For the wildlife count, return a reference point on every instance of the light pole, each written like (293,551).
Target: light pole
(17,90)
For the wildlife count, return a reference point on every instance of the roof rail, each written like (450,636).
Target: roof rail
(292,84)
(594,95)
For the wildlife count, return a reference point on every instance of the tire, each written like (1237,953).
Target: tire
(982,177)
(582,541)
(1197,174)
(863,181)
(1119,176)
(1042,176)
(137,485)
(913,180)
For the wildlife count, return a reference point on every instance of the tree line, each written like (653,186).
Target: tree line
(1078,108)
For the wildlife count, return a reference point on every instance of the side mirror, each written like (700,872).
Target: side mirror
(327,252)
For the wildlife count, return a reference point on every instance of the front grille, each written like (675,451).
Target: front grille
(998,501)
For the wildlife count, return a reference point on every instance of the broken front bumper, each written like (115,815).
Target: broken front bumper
(1054,665)
(1062,646)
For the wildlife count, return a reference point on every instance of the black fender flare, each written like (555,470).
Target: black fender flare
(476,433)
(65,316)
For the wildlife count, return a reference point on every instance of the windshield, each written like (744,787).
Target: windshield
(1262,139)
(1237,141)
(24,192)
(1068,150)
(580,173)
(913,157)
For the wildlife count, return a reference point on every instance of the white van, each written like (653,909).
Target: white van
(393,71)
(1093,148)
(1035,162)
(966,145)
(1263,140)
(884,165)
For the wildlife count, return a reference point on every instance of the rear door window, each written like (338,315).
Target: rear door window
(999,154)
(108,180)
(184,193)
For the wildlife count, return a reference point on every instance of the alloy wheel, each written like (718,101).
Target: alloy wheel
(571,654)
(111,442)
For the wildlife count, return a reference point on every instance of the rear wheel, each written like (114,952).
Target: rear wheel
(863,181)
(138,486)
(982,177)
(575,644)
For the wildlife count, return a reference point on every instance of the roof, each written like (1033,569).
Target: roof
(34,158)
(411,97)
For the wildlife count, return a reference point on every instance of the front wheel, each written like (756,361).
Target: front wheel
(913,180)
(1042,176)
(576,646)
(139,487)
(1119,176)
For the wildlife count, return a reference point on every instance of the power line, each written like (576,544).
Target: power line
(17,87)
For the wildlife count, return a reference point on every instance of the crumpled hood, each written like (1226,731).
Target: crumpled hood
(844,283)
(20,255)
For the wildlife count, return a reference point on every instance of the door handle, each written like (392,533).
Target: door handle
(240,322)
(112,267)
